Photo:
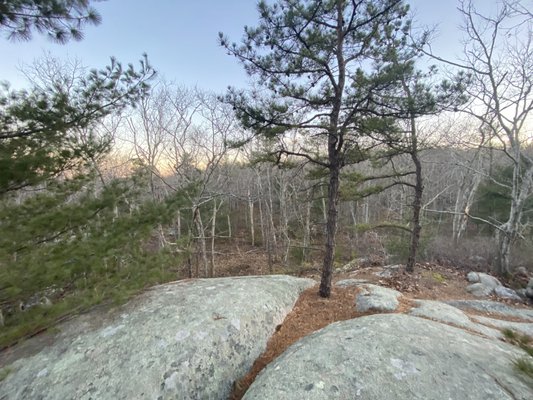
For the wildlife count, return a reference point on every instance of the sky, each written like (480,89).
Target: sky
(181,38)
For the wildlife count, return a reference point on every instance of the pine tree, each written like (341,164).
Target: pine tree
(41,128)
(314,63)
(67,236)
(61,20)
(416,94)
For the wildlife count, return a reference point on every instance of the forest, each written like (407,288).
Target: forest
(355,143)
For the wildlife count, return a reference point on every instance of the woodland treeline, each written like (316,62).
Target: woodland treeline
(236,190)
(348,146)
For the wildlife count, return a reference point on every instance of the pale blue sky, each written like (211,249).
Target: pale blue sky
(180,38)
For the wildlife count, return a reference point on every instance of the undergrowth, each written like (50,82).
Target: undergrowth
(524,365)
(75,245)
(4,372)
(99,288)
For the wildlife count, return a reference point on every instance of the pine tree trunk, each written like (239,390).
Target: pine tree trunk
(335,144)
(331,229)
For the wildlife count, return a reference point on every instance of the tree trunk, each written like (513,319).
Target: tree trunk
(251,209)
(268,245)
(178,225)
(335,144)
(307,228)
(402,202)
(272,227)
(509,230)
(201,239)
(270,210)
(331,229)
(262,223)
(161,236)
(324,209)
(466,195)
(353,213)
(284,219)
(366,212)
(504,254)
(213,233)
(354,236)
(462,221)
(189,266)
(417,205)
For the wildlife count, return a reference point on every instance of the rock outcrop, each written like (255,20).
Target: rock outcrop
(506,293)
(183,340)
(484,285)
(377,298)
(485,279)
(350,283)
(393,356)
(447,314)
(388,271)
(493,307)
(523,328)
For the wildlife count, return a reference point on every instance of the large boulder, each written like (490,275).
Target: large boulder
(183,340)
(482,284)
(485,279)
(506,293)
(479,290)
(393,356)
(377,298)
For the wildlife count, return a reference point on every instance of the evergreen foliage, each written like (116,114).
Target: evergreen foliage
(76,245)
(70,240)
(60,20)
(47,130)
(326,69)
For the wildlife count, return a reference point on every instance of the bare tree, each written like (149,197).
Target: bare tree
(499,56)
